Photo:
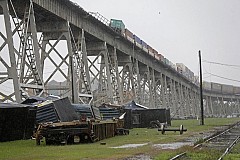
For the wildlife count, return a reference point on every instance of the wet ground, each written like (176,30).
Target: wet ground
(173,145)
(131,145)
(188,141)
(139,157)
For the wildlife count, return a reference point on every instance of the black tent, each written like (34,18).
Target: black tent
(138,116)
(16,121)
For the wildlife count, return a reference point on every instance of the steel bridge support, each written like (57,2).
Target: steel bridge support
(76,58)
(10,71)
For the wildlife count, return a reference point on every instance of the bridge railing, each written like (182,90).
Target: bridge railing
(100,17)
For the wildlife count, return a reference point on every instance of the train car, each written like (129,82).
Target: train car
(117,25)
(157,56)
(172,65)
(150,50)
(227,89)
(196,80)
(129,35)
(180,68)
(144,46)
(137,41)
(161,57)
(207,85)
(175,67)
(236,90)
(166,61)
(191,76)
(155,52)
(185,71)
(216,87)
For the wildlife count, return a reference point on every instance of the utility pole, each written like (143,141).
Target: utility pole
(201,94)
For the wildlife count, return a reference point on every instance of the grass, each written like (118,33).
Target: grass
(204,155)
(234,154)
(27,150)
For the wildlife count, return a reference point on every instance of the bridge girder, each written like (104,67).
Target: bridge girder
(97,64)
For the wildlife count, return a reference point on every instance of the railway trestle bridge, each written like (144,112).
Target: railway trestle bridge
(46,40)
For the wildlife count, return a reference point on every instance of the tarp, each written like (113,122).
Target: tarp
(134,106)
(60,110)
(46,112)
(16,121)
(65,110)
(34,100)
(83,110)
(109,113)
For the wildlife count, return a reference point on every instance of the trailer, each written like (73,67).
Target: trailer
(76,132)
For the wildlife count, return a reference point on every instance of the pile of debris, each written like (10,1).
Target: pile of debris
(61,122)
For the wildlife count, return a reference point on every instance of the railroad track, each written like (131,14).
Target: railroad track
(223,141)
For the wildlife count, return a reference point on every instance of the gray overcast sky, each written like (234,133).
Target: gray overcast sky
(181,29)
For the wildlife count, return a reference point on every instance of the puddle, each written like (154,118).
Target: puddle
(131,145)
(139,157)
(173,145)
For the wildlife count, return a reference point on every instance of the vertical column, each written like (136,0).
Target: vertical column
(144,91)
(163,88)
(178,97)
(115,76)
(238,105)
(211,105)
(175,99)
(43,45)
(137,79)
(223,109)
(84,65)
(187,100)
(163,102)
(195,104)
(131,79)
(75,96)
(108,74)
(35,41)
(182,106)
(206,108)
(166,91)
(191,95)
(101,86)
(150,96)
(12,71)
(171,94)
(218,107)
(154,90)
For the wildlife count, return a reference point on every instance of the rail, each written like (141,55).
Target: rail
(226,151)
(229,148)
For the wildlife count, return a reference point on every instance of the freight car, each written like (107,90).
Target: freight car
(78,131)
(119,27)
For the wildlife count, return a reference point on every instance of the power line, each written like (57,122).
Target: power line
(224,77)
(207,76)
(223,64)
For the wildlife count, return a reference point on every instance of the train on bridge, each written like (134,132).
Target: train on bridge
(119,27)
(100,60)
